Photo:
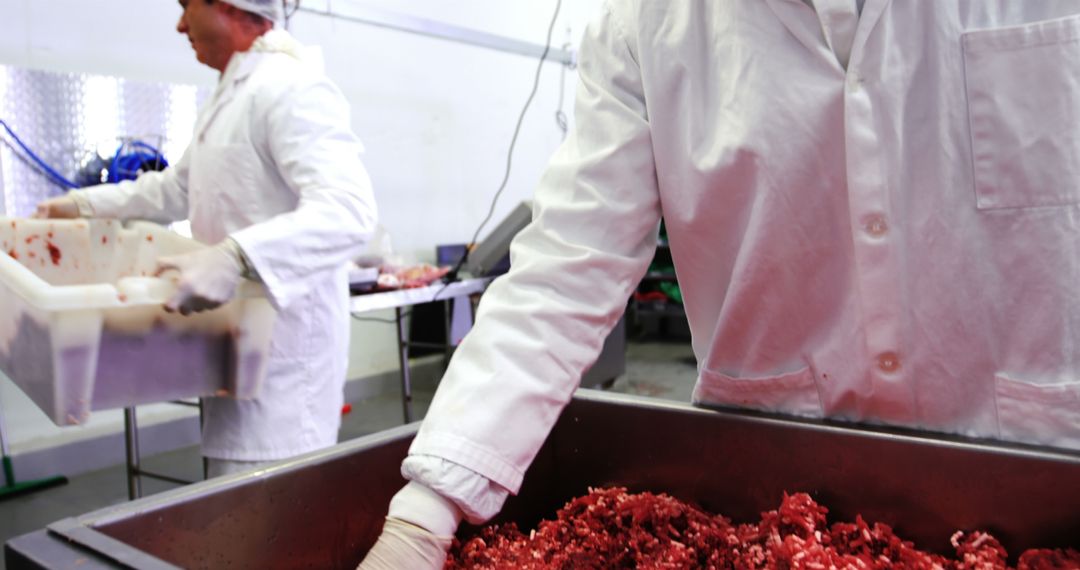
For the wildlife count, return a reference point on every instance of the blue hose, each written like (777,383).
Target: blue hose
(126,166)
(56,177)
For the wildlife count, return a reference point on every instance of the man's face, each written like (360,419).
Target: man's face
(206,26)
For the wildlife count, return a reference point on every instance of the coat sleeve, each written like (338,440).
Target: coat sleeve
(318,157)
(595,221)
(160,197)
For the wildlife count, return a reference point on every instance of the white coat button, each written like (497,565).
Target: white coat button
(888,362)
(876,226)
(855,81)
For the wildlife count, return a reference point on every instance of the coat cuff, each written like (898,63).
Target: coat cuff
(248,270)
(479,458)
(477,497)
(279,293)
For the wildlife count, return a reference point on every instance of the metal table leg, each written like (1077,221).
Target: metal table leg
(135,472)
(131,448)
(448,319)
(403,355)
(202,421)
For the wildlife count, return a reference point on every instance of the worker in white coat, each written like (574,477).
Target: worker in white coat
(874,214)
(273,179)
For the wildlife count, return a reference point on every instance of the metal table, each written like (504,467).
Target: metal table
(403,298)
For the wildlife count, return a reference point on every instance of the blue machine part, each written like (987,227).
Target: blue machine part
(132,158)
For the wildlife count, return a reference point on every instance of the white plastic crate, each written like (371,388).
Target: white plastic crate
(82,326)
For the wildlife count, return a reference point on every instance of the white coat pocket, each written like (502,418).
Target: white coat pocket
(791,393)
(1046,414)
(1023,95)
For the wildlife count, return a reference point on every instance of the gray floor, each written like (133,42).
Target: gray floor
(654,369)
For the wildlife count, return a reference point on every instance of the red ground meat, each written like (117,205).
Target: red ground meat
(610,528)
(1044,559)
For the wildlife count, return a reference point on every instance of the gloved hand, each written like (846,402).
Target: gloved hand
(208,277)
(66,207)
(405,545)
(403,542)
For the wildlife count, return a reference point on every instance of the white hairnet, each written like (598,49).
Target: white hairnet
(272,10)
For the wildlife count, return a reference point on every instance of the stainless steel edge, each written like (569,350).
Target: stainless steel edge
(107,547)
(82,530)
(879,432)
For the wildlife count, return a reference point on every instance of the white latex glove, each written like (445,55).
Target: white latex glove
(66,207)
(208,277)
(403,542)
(405,545)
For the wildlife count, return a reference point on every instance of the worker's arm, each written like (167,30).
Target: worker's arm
(316,153)
(155,196)
(597,212)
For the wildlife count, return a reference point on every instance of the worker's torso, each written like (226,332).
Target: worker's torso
(234,182)
(897,239)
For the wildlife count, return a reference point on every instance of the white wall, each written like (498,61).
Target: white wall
(436,117)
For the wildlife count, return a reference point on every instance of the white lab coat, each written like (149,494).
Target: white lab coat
(273,165)
(895,240)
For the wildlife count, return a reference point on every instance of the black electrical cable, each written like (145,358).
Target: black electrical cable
(287,12)
(379,320)
(452,275)
(560,116)
(49,172)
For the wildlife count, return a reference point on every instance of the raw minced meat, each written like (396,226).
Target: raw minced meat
(610,528)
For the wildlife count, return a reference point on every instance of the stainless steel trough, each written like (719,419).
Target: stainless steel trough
(324,510)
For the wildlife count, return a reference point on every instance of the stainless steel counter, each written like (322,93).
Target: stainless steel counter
(325,509)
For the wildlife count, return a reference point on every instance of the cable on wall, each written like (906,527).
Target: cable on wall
(453,274)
